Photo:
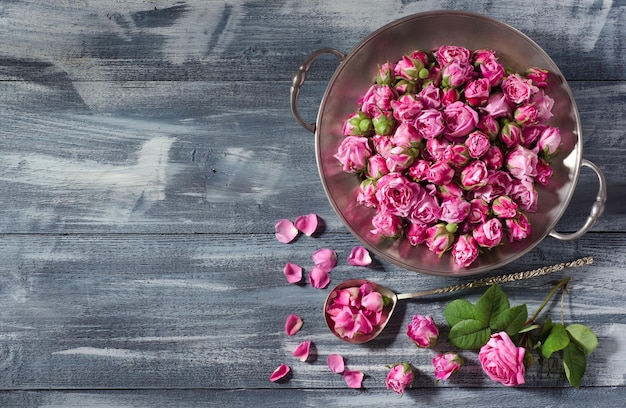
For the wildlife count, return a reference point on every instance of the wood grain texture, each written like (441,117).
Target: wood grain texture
(146,150)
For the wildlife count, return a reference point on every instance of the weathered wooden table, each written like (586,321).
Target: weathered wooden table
(146,150)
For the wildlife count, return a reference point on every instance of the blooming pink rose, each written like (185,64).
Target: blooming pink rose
(459,119)
(429,123)
(280,373)
(293,324)
(426,209)
(522,163)
(449,96)
(377,98)
(307,224)
(419,170)
(477,144)
(464,250)
(544,105)
(518,228)
(518,90)
(325,259)
(292,272)
(488,125)
(446,364)
(430,96)
(382,144)
(538,76)
(544,172)
(386,225)
(406,108)
(455,74)
(477,92)
(452,53)
(502,361)
(440,172)
(497,105)
(439,239)
(376,166)
(494,158)
(479,210)
(435,149)
(524,194)
(456,155)
(511,134)
(423,331)
(302,351)
(285,231)
(335,363)
(358,124)
(359,256)
(549,141)
(489,233)
(416,233)
(353,153)
(400,377)
(474,175)
(504,207)
(353,378)
(396,194)
(454,210)
(319,278)
(366,194)
(399,158)
(526,115)
(493,71)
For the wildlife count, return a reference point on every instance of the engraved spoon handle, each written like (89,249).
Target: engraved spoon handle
(500,279)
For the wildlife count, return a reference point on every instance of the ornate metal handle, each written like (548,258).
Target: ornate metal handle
(517,276)
(596,210)
(298,81)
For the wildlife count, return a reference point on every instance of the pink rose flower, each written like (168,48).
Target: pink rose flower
(493,71)
(457,155)
(544,105)
(426,209)
(446,364)
(455,74)
(518,90)
(358,124)
(452,53)
(454,210)
(489,233)
(439,239)
(518,228)
(376,166)
(429,123)
(385,74)
(366,194)
(449,96)
(397,194)
(524,194)
(353,153)
(538,76)
(416,233)
(477,92)
(497,105)
(400,158)
(386,225)
(494,158)
(511,134)
(504,207)
(451,189)
(488,125)
(474,175)
(430,96)
(423,331)
(406,108)
(359,256)
(477,144)
(439,173)
(406,135)
(399,377)
(521,163)
(526,115)
(544,172)
(377,98)
(549,141)
(479,210)
(419,170)
(502,361)
(459,119)
(435,149)
(464,250)
(408,68)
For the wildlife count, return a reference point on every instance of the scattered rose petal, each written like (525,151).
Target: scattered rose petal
(285,231)
(359,256)
(353,378)
(325,259)
(302,350)
(307,224)
(293,272)
(335,363)
(280,372)
(293,324)
(319,278)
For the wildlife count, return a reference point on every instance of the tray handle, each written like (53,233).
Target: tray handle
(300,77)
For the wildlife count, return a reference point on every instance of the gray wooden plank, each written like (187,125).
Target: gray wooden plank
(130,311)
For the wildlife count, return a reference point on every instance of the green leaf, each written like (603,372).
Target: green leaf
(512,320)
(583,336)
(557,340)
(469,334)
(547,327)
(492,303)
(574,363)
(529,328)
(459,310)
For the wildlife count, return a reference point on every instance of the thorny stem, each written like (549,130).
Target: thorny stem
(560,284)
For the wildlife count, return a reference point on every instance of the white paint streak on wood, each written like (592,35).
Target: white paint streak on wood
(185,283)
(106,352)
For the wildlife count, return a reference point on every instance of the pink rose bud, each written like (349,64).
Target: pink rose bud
(325,259)
(477,144)
(502,361)
(457,155)
(376,167)
(531,134)
(518,228)
(366,194)
(429,123)
(419,170)
(511,134)
(460,119)
(439,239)
(450,53)
(382,144)
(358,124)
(474,175)
(544,105)
(430,96)
(477,92)
(353,153)
(450,190)
(497,106)
(454,210)
(549,141)
(440,173)
(385,74)
(399,377)
(435,149)
(518,90)
(335,363)
(386,225)
(526,115)
(405,86)
(479,210)
(524,194)
(464,250)
(488,125)
(493,71)
(544,172)
(446,364)
(455,74)
(359,256)
(293,324)
(538,76)
(504,207)
(494,158)
(280,373)
(416,233)
(400,158)
(489,233)
(384,124)
(377,98)
(408,68)
(420,56)
(423,331)
(449,96)
(406,108)
(406,135)
(521,163)
(302,351)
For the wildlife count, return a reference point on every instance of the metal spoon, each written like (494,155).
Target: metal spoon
(394,297)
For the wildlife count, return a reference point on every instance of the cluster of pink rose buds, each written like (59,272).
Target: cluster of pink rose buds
(448,147)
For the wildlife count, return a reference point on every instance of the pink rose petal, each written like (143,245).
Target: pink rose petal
(302,350)
(280,372)
(285,231)
(307,224)
(293,324)
(353,378)
(293,272)
(335,363)
(359,256)
(325,259)
(319,278)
